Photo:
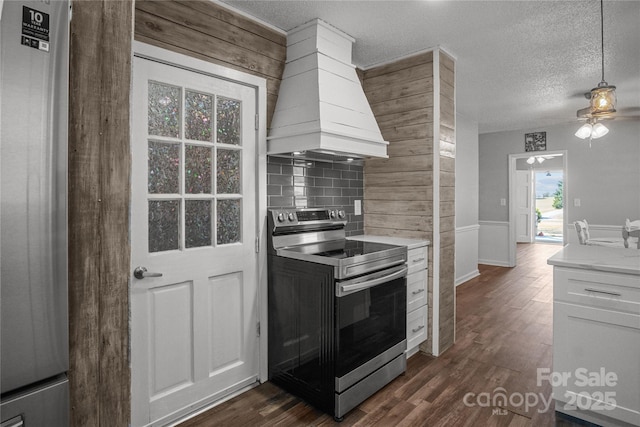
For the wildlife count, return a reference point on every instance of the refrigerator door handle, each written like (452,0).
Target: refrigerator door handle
(14,422)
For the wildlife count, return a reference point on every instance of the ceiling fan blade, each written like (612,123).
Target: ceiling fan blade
(628,110)
(626,118)
(581,94)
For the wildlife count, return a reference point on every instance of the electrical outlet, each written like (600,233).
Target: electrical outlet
(357,207)
(503,202)
(576,203)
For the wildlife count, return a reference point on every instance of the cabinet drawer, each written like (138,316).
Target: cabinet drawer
(416,327)
(417,259)
(611,291)
(416,290)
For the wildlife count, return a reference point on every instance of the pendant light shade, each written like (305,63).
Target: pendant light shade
(599,130)
(603,99)
(592,130)
(585,131)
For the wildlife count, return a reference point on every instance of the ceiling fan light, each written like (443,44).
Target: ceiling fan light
(585,131)
(599,130)
(603,99)
(540,159)
(531,160)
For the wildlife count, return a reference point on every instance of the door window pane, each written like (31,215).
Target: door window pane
(198,113)
(197,223)
(164,110)
(228,171)
(164,225)
(228,221)
(228,113)
(198,169)
(164,168)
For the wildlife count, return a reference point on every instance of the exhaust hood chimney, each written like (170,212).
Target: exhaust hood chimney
(321,106)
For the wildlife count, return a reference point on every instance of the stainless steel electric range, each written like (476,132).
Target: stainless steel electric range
(337,310)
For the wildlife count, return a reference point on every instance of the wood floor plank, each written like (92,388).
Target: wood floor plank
(504,335)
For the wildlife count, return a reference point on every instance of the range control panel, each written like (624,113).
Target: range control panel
(292,216)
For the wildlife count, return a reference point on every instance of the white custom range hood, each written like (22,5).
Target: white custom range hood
(321,107)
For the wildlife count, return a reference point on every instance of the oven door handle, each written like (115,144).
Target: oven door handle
(361,283)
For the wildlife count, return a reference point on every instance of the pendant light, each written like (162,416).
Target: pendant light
(603,97)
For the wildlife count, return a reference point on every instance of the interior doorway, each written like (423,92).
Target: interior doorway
(531,169)
(549,205)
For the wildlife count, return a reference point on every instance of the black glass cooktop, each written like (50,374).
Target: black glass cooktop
(341,249)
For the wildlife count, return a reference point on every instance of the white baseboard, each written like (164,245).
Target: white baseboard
(467,277)
(494,262)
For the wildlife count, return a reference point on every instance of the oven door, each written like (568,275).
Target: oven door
(371,318)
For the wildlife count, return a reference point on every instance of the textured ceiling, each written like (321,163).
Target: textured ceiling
(520,64)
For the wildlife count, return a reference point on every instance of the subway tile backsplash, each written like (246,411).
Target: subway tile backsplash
(313,184)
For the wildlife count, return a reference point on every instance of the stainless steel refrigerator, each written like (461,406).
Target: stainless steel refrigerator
(33,215)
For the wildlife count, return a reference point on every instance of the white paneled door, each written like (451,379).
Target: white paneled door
(525,214)
(193,329)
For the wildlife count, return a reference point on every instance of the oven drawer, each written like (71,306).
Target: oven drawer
(416,290)
(417,259)
(416,327)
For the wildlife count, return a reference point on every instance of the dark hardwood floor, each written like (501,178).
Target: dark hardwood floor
(503,336)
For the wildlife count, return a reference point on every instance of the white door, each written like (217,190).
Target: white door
(524,207)
(193,207)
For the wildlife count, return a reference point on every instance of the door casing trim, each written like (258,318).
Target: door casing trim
(512,198)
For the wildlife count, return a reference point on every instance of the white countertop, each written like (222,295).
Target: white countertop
(400,241)
(600,258)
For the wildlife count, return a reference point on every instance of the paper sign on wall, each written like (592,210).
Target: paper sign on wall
(35,29)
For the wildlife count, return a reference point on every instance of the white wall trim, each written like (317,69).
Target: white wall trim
(435,313)
(466,253)
(468,228)
(493,243)
(467,277)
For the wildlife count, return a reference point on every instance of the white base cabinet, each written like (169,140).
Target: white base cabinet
(596,345)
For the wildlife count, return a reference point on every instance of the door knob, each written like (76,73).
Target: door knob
(141,273)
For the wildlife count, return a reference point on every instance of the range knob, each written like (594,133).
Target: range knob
(332,214)
(281,217)
(291,216)
(341,214)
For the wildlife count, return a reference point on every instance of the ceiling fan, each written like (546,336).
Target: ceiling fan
(531,160)
(602,101)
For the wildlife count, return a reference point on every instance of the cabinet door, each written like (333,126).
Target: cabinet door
(589,344)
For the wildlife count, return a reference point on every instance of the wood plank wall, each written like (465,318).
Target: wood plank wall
(99,167)
(99,170)
(398,191)
(447,160)
(210,32)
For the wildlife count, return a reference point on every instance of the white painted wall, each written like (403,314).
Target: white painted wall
(605,177)
(467,188)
